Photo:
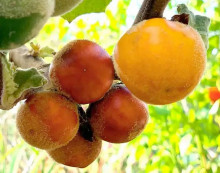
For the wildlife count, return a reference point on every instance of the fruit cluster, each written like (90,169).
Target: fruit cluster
(159,62)
(82,73)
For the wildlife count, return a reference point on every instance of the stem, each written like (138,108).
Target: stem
(183,18)
(151,9)
(201,151)
(22,58)
(172,150)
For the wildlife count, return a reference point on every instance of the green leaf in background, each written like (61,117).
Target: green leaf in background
(87,6)
(16,81)
(200,23)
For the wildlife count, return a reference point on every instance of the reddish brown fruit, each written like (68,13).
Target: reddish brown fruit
(214,94)
(78,152)
(48,120)
(83,71)
(119,117)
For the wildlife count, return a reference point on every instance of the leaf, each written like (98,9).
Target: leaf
(200,23)
(16,81)
(46,52)
(87,6)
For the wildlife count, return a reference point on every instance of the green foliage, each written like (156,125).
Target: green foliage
(87,6)
(16,81)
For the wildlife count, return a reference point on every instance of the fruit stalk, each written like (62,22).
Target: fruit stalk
(151,9)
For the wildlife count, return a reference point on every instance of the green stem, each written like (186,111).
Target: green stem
(173,152)
(151,9)
(201,152)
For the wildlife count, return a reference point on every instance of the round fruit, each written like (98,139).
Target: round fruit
(160,61)
(119,117)
(63,6)
(214,94)
(21,20)
(48,120)
(83,71)
(78,152)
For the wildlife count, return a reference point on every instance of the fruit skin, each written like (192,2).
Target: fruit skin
(214,94)
(20,21)
(47,120)
(78,152)
(160,61)
(119,117)
(83,71)
(63,6)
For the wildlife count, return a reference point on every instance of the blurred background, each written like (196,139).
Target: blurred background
(180,137)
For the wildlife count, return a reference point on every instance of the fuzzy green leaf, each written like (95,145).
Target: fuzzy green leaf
(17,81)
(200,23)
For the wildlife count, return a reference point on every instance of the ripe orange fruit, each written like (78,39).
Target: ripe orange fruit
(47,120)
(160,61)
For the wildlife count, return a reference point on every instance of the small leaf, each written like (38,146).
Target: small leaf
(46,52)
(87,6)
(200,23)
(17,81)
(29,78)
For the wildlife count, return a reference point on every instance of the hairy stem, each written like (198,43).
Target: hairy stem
(151,9)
